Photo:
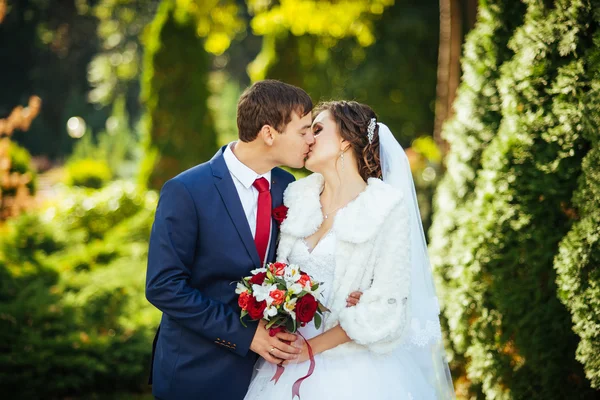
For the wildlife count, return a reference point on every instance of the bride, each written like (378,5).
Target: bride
(354,225)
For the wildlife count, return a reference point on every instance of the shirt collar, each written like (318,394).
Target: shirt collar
(240,171)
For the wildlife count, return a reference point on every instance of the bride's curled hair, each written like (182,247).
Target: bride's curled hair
(352,119)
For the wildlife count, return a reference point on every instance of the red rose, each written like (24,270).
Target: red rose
(277,269)
(280,213)
(306,308)
(256,308)
(258,279)
(243,300)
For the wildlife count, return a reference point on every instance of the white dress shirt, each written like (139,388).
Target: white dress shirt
(243,179)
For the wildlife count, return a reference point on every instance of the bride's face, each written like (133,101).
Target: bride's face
(328,144)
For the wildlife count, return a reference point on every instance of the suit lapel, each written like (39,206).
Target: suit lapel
(225,186)
(277,200)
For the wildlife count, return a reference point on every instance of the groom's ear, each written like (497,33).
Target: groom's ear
(267,134)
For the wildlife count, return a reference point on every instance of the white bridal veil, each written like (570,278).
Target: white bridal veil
(423,338)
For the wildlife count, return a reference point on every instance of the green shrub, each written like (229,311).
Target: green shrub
(88,173)
(73,315)
(21,162)
(93,214)
(28,237)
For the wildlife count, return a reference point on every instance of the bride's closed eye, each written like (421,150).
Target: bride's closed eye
(316,130)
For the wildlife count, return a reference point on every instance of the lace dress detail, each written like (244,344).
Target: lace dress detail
(318,263)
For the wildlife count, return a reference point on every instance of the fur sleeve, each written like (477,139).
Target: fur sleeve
(380,318)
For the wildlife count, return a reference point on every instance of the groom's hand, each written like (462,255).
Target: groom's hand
(273,349)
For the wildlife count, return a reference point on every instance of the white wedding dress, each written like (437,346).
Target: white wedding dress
(363,375)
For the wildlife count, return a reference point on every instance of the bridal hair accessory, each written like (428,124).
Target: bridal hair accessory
(371,129)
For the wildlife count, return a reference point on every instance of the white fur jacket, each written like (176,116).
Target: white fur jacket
(372,255)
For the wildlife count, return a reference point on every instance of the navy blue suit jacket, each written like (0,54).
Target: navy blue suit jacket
(200,243)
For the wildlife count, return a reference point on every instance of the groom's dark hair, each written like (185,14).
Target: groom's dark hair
(269,102)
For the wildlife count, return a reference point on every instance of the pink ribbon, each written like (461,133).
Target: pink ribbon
(281,369)
(278,373)
(311,369)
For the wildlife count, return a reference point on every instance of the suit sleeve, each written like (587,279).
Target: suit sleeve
(172,251)
(379,319)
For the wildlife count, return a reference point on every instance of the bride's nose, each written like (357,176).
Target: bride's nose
(310,138)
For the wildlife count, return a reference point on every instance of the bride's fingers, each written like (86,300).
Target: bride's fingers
(287,348)
(356,295)
(290,337)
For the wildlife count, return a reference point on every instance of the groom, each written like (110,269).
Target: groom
(213,225)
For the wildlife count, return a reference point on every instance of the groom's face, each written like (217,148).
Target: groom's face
(293,144)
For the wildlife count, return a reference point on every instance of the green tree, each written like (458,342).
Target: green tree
(474,125)
(180,131)
(579,253)
(496,258)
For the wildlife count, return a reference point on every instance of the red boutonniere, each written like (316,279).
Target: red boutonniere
(280,213)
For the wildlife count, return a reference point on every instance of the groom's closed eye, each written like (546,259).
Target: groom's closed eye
(304,129)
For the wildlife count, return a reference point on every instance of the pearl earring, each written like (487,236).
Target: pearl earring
(342,160)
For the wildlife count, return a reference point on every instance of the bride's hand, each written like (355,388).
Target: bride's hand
(304,356)
(353,299)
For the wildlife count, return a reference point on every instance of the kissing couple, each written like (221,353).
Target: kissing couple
(353,225)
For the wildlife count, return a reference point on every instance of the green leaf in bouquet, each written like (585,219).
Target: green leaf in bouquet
(272,322)
(318,320)
(315,287)
(242,315)
(322,308)
(290,325)
(280,282)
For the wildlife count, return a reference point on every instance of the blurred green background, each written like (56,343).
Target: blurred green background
(497,104)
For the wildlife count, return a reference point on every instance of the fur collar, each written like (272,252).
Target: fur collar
(358,222)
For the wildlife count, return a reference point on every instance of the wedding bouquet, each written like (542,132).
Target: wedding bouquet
(282,295)
(286,298)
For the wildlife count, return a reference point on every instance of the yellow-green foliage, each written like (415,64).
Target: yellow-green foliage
(88,173)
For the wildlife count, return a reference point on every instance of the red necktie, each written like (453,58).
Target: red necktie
(263,218)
